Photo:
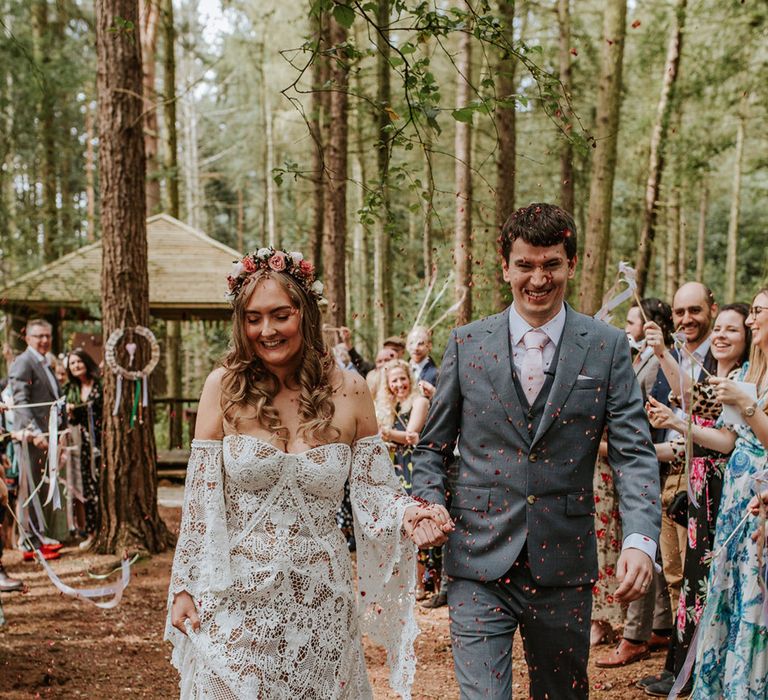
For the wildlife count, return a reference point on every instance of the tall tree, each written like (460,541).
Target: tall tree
(567,185)
(658,144)
(506,152)
(733,219)
(169,109)
(382,278)
(701,231)
(129,483)
(318,128)
(335,179)
(149,14)
(462,245)
(598,231)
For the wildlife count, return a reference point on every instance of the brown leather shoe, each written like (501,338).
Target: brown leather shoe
(625,653)
(658,641)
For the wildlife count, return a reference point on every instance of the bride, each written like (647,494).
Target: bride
(261,600)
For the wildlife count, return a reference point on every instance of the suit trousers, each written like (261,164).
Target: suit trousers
(649,612)
(673,540)
(554,624)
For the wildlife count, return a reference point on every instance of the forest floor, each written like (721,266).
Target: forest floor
(54,646)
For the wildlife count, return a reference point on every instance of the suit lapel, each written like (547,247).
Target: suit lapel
(573,349)
(498,364)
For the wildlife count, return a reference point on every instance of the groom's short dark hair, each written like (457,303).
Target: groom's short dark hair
(541,225)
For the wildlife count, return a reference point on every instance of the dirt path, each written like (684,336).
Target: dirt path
(55,647)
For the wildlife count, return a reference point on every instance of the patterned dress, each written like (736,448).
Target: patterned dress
(260,553)
(732,652)
(706,483)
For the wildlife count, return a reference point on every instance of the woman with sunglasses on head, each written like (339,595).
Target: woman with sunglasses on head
(261,601)
(731,658)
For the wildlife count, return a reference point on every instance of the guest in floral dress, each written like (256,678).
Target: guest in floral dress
(731,339)
(732,650)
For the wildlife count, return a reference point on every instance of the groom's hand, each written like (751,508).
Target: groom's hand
(635,575)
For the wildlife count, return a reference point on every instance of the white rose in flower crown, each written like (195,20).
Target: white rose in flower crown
(296,256)
(237,269)
(261,252)
(317,287)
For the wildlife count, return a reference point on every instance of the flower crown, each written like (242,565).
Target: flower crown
(293,263)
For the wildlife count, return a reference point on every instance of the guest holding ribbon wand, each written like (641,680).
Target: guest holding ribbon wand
(730,654)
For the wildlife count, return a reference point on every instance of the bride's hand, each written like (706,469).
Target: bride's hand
(427,526)
(183,609)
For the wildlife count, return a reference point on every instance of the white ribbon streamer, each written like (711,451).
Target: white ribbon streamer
(53,458)
(118,395)
(627,275)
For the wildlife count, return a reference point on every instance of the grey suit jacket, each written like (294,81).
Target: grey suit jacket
(512,489)
(30,385)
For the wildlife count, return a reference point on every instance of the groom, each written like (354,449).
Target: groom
(527,394)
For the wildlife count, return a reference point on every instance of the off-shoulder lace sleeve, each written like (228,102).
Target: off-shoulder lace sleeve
(201,561)
(386,559)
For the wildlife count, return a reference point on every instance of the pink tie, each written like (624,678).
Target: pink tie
(532,368)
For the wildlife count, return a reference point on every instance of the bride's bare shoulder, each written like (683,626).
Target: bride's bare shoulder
(210,423)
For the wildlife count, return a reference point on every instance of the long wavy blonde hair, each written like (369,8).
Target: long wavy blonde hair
(247,383)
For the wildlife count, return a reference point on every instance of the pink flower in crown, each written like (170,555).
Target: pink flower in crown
(248,264)
(277,261)
(698,471)
(306,268)
(692,532)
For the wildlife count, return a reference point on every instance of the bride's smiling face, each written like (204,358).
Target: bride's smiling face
(273,326)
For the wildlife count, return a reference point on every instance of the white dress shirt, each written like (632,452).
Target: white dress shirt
(518,327)
(418,367)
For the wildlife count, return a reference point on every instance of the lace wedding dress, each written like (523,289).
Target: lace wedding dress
(269,570)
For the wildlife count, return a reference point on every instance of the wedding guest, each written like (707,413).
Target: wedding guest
(85,402)
(361,365)
(397,343)
(648,621)
(7,583)
(732,628)
(401,419)
(373,378)
(731,339)
(423,367)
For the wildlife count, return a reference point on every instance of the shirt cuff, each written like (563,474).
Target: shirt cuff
(644,544)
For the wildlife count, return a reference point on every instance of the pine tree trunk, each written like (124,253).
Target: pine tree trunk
(701,233)
(129,514)
(567,185)
(335,182)
(598,233)
(506,170)
(90,174)
(382,289)
(318,130)
(149,15)
(429,208)
(673,243)
(47,132)
(462,248)
(682,246)
(733,219)
(7,170)
(658,144)
(169,110)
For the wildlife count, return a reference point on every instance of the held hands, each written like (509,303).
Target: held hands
(654,338)
(427,525)
(427,390)
(635,575)
(183,609)
(661,416)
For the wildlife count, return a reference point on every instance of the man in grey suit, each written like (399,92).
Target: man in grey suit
(527,394)
(32,381)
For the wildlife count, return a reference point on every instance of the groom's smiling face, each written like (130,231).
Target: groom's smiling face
(537,276)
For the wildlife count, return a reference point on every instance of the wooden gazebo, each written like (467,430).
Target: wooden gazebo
(187,278)
(187,281)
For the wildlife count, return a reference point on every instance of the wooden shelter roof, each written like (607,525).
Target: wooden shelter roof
(187,277)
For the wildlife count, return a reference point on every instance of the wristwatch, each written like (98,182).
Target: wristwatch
(750,411)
